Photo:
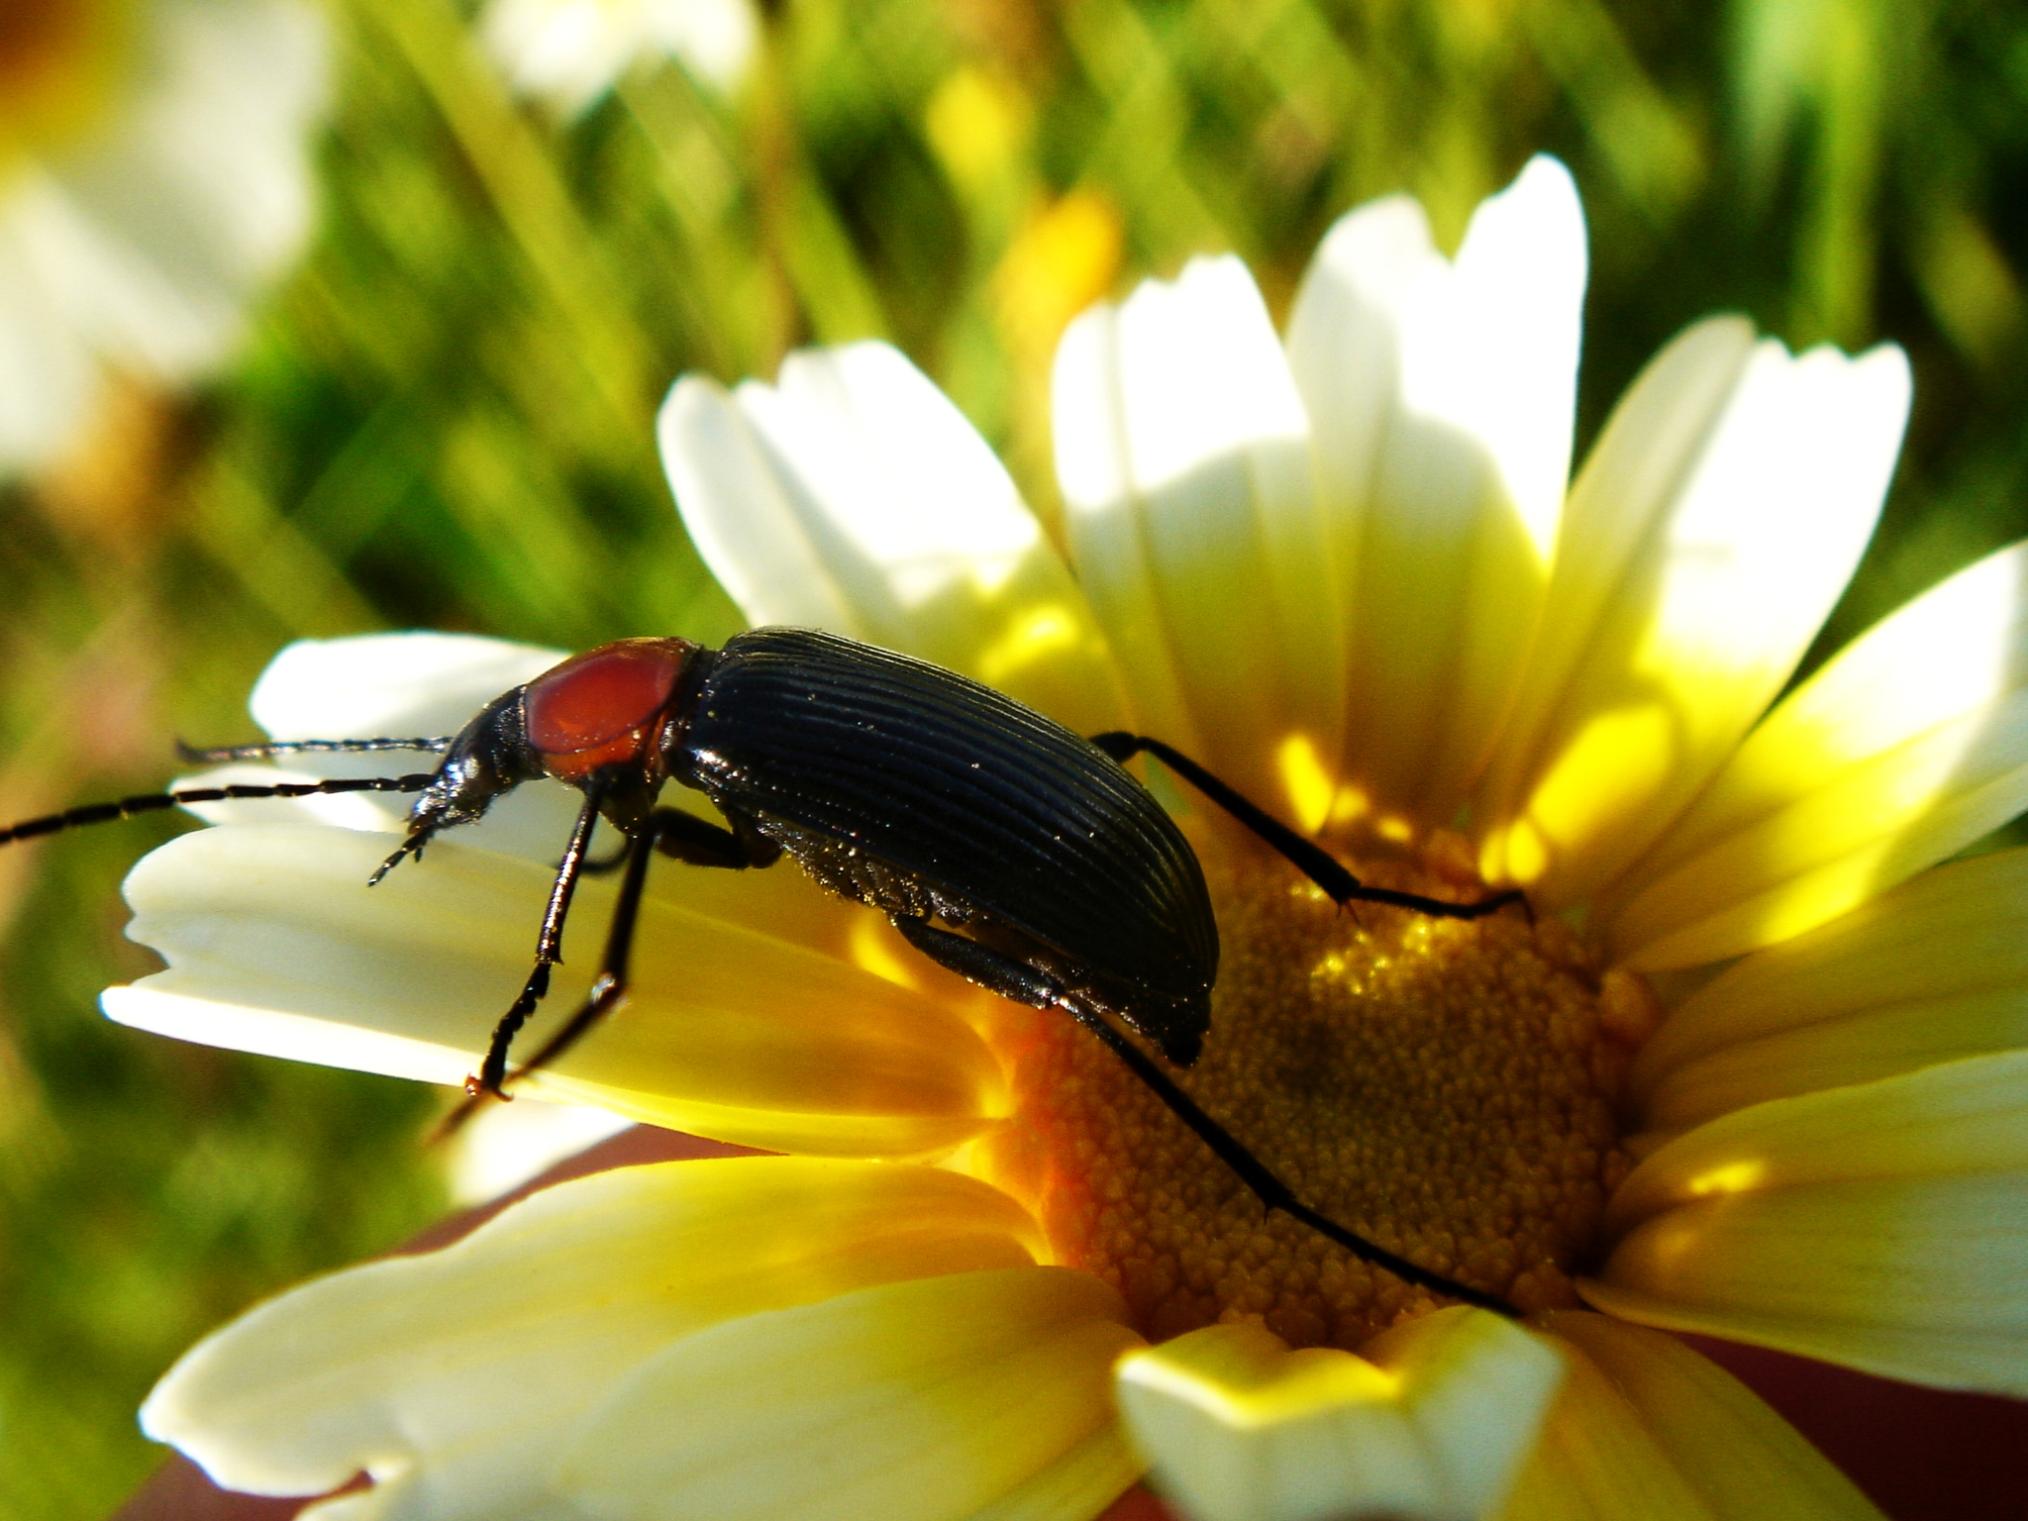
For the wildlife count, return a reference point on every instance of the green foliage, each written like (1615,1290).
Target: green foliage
(445,418)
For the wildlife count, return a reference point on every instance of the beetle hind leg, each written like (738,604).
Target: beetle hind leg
(1012,978)
(1306,855)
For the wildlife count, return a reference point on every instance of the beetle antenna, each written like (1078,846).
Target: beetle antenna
(180,797)
(215,755)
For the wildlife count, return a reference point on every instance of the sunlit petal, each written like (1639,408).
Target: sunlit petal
(1646,1427)
(1933,971)
(738,1027)
(1432,1422)
(450,1378)
(1441,399)
(1183,450)
(1711,529)
(1883,1226)
(1908,746)
(851,495)
(911,1402)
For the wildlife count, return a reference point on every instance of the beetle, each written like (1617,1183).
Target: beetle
(1000,844)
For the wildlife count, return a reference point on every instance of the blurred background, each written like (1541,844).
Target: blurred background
(437,411)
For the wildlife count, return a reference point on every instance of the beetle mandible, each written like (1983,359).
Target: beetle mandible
(1000,844)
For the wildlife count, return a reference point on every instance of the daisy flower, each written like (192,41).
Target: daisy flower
(569,53)
(1753,1067)
(154,176)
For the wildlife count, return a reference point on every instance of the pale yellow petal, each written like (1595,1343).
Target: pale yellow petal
(1441,401)
(405,686)
(1710,531)
(1935,970)
(923,1401)
(1645,1427)
(746,1022)
(1882,1226)
(851,495)
(1432,1422)
(1909,745)
(1183,450)
(450,1378)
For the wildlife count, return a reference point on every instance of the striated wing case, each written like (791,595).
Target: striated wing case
(986,801)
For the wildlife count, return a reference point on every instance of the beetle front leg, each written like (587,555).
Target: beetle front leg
(1306,855)
(548,952)
(1011,978)
(695,841)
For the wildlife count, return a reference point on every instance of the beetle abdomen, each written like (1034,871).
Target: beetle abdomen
(994,808)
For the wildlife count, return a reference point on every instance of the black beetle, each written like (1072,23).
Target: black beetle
(999,843)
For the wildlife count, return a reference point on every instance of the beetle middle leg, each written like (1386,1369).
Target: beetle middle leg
(1011,978)
(1308,857)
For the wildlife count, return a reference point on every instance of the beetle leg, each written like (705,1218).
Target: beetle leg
(1011,978)
(699,842)
(548,952)
(1308,857)
(671,831)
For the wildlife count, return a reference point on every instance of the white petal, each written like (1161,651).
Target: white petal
(853,496)
(915,1401)
(416,685)
(1183,451)
(451,1377)
(1441,402)
(1708,535)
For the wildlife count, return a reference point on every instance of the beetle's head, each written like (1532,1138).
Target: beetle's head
(597,721)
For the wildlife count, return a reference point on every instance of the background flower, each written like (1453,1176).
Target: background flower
(442,426)
(154,176)
(569,52)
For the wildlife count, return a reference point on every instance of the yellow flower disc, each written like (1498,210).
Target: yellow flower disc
(1445,1087)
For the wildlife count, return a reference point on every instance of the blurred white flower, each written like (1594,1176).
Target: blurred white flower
(568,53)
(154,174)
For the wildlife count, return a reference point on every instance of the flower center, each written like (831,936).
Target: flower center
(1444,1087)
(59,63)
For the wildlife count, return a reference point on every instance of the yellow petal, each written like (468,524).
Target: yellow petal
(915,1401)
(1646,1427)
(1183,450)
(1440,398)
(1928,973)
(1909,745)
(851,495)
(1710,531)
(449,1378)
(1882,1226)
(746,1022)
(1433,1422)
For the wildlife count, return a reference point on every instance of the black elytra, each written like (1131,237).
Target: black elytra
(1002,845)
